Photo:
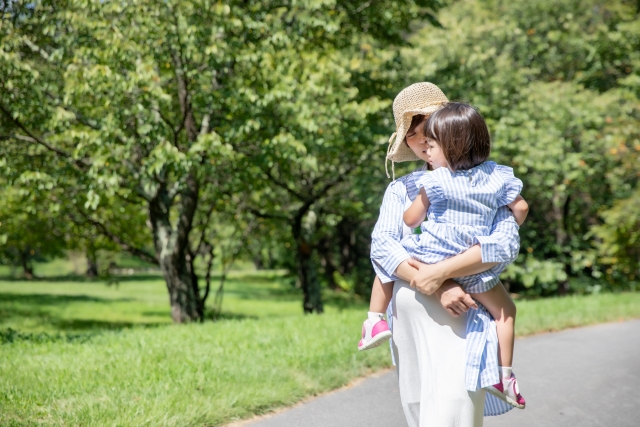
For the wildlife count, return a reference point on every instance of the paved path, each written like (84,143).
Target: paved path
(587,377)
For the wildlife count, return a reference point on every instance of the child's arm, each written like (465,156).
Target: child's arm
(414,216)
(519,207)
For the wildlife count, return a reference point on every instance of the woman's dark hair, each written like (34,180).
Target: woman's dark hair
(415,121)
(461,133)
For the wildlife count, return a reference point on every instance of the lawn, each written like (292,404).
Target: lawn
(83,353)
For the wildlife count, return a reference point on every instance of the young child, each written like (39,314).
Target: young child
(460,197)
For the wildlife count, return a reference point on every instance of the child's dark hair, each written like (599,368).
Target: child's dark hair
(461,133)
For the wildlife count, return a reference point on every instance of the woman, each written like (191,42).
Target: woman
(432,340)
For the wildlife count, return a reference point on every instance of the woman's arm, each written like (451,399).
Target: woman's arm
(451,296)
(520,209)
(386,251)
(414,216)
(427,278)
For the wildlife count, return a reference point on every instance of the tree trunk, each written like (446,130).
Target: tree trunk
(324,251)
(27,266)
(92,264)
(171,245)
(183,297)
(308,277)
(307,274)
(257,262)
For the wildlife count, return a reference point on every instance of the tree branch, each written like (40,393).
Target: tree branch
(188,119)
(82,163)
(267,216)
(188,205)
(332,184)
(282,185)
(207,288)
(140,253)
(204,224)
(80,118)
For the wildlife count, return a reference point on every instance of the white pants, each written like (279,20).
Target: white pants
(429,348)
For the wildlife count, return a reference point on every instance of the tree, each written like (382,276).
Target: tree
(29,230)
(143,109)
(558,85)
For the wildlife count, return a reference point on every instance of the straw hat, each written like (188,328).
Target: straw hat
(419,98)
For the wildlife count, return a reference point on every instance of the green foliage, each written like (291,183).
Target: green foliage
(557,83)
(620,241)
(189,130)
(29,230)
(174,113)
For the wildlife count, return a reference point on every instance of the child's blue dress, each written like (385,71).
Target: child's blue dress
(462,207)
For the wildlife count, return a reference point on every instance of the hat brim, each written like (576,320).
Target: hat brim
(399,151)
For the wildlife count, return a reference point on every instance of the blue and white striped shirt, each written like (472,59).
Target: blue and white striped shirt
(387,253)
(463,205)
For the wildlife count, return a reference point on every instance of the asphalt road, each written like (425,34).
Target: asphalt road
(587,377)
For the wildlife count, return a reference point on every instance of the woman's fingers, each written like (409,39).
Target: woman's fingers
(452,312)
(461,307)
(469,302)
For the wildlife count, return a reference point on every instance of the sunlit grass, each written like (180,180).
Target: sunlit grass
(182,375)
(59,306)
(84,353)
(264,355)
(554,314)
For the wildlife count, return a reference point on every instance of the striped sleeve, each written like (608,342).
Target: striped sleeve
(382,275)
(503,245)
(511,187)
(386,251)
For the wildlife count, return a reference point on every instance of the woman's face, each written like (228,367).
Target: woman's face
(417,141)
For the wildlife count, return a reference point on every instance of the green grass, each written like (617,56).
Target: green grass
(555,314)
(88,354)
(68,305)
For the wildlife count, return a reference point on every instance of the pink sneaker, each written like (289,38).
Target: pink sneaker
(374,333)
(508,391)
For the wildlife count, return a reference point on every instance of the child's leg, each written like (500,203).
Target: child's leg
(503,310)
(381,294)
(375,330)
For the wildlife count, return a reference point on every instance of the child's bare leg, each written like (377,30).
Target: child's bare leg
(499,304)
(375,330)
(503,310)
(381,294)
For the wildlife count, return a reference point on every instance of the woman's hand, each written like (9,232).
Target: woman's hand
(428,278)
(454,299)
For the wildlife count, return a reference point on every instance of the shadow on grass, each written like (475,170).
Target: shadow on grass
(43,310)
(211,317)
(49,299)
(82,325)
(261,288)
(9,335)
(136,277)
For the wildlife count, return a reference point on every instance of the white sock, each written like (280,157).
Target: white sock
(374,317)
(506,372)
